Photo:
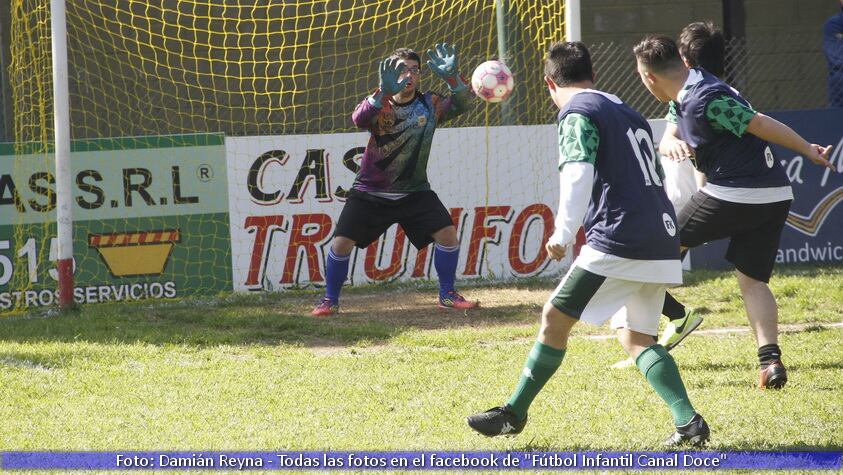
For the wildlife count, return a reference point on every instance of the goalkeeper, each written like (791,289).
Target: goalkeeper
(391,185)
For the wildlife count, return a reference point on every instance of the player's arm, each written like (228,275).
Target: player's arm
(390,83)
(773,131)
(671,146)
(725,114)
(578,143)
(444,63)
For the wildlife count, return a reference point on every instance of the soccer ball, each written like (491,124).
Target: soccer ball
(492,81)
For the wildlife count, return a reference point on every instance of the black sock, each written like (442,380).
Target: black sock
(672,309)
(769,353)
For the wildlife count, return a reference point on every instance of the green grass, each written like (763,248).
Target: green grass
(392,373)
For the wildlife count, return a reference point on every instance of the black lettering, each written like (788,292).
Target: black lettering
(253,179)
(7,184)
(177,197)
(140,188)
(348,160)
(312,166)
(40,190)
(99,196)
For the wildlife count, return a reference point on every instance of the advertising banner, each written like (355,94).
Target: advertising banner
(813,233)
(150,220)
(286,193)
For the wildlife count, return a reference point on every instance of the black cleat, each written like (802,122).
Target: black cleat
(695,432)
(774,376)
(496,421)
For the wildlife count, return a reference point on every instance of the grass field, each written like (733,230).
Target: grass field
(254,372)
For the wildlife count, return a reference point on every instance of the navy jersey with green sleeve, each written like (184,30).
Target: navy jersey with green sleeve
(728,156)
(629,214)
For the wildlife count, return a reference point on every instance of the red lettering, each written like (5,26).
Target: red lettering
(264,226)
(308,231)
(420,268)
(396,257)
(517,247)
(481,232)
(579,242)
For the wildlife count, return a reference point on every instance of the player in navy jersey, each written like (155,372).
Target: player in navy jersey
(747,196)
(391,186)
(610,182)
(701,45)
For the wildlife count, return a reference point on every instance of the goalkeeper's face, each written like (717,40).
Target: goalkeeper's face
(412,73)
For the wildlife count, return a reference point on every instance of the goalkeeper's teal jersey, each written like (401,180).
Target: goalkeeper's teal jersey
(395,160)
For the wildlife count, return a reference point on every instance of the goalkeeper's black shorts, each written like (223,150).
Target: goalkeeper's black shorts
(365,217)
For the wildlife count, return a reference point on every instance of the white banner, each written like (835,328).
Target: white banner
(286,194)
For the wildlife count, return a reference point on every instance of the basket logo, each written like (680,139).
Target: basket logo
(135,253)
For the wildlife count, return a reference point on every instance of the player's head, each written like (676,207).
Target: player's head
(567,63)
(701,44)
(658,63)
(412,61)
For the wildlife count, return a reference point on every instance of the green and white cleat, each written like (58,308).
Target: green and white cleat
(677,330)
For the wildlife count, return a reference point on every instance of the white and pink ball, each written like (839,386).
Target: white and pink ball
(492,81)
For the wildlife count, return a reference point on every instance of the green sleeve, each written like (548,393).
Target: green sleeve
(725,114)
(578,140)
(671,113)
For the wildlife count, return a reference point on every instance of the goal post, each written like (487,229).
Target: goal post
(61,130)
(122,112)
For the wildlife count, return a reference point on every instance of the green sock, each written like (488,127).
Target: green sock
(540,366)
(663,375)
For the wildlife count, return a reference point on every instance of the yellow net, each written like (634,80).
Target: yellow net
(233,67)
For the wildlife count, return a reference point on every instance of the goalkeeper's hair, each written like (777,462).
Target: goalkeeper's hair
(405,53)
(659,54)
(568,63)
(703,45)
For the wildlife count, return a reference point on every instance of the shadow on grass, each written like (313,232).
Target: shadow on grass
(367,318)
(370,315)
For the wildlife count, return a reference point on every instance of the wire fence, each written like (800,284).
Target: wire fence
(774,73)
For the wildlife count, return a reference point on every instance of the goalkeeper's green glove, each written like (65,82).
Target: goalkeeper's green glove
(389,77)
(443,62)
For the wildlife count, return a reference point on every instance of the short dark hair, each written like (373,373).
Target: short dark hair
(703,45)
(658,53)
(406,53)
(568,63)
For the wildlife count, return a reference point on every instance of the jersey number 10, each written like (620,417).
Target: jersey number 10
(642,145)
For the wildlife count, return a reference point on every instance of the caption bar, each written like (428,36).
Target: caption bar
(428,460)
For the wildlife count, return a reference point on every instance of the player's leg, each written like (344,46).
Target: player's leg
(582,295)
(446,255)
(637,325)
(360,223)
(702,220)
(754,254)
(336,271)
(425,219)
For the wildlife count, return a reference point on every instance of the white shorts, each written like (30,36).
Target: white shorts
(594,298)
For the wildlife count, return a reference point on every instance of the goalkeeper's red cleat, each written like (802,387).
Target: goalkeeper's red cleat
(454,300)
(325,308)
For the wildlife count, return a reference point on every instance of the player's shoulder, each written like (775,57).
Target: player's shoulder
(591,103)
(709,88)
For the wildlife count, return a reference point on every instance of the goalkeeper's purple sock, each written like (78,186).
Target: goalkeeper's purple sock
(445,260)
(335,274)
